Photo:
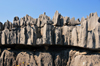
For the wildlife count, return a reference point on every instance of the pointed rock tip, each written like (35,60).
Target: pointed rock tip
(44,13)
(82,19)
(27,15)
(95,14)
(56,12)
(78,20)
(73,18)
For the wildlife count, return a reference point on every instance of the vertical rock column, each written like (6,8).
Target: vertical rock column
(58,35)
(67,32)
(47,34)
(5,37)
(97,35)
(22,36)
(74,37)
(31,35)
(83,34)
(1,28)
(90,43)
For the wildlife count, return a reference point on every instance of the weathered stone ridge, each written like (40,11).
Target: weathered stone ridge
(58,31)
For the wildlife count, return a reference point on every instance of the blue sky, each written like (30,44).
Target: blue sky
(71,8)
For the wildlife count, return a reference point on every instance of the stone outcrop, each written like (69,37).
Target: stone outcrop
(58,31)
(44,32)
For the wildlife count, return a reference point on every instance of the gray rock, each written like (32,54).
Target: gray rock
(24,58)
(16,22)
(83,34)
(31,21)
(78,31)
(8,58)
(91,14)
(57,60)
(58,35)
(67,32)
(1,26)
(78,22)
(82,19)
(56,18)
(66,20)
(22,21)
(38,22)
(17,35)
(28,35)
(43,59)
(43,18)
(72,22)
(21,36)
(12,37)
(96,32)
(39,41)
(47,34)
(74,37)
(5,37)
(0,36)
(8,25)
(31,35)
(92,21)
(90,40)
(86,60)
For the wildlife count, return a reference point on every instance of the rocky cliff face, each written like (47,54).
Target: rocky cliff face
(69,34)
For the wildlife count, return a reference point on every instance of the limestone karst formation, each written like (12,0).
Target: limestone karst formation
(61,31)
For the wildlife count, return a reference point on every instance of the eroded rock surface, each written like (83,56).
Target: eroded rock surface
(58,31)
(43,31)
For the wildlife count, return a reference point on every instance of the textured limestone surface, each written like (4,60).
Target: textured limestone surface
(57,31)
(48,56)
(37,41)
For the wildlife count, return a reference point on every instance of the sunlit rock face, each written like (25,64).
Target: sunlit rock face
(61,41)
(58,31)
